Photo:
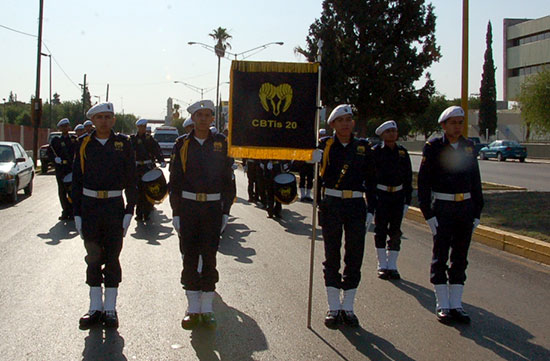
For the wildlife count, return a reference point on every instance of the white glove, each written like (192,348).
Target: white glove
(163,165)
(370,218)
(262,165)
(245,168)
(176,223)
(126,223)
(78,224)
(57,160)
(317,156)
(269,166)
(405,209)
(476,223)
(432,222)
(234,166)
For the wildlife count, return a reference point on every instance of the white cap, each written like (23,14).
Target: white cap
(88,122)
(214,130)
(450,112)
(141,122)
(79,127)
(203,104)
(340,110)
(390,124)
(322,132)
(63,122)
(188,122)
(100,108)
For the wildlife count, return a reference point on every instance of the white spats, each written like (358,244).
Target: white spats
(382,258)
(193,301)
(96,299)
(349,299)
(442,296)
(110,298)
(225,219)
(392,259)
(333,298)
(206,302)
(455,296)
(302,193)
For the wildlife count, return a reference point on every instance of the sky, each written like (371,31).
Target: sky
(140,47)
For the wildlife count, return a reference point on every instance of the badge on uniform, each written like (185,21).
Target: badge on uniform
(360,150)
(469,150)
(218,146)
(119,146)
(401,153)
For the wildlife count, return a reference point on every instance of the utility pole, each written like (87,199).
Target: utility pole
(84,97)
(107,97)
(464,95)
(37,102)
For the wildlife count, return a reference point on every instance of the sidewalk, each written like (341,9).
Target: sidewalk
(527,160)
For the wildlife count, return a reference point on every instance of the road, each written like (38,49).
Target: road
(535,176)
(261,299)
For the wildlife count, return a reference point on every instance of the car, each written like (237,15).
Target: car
(43,153)
(16,170)
(166,137)
(477,144)
(502,150)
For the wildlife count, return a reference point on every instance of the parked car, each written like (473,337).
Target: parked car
(43,154)
(504,149)
(166,137)
(16,170)
(477,144)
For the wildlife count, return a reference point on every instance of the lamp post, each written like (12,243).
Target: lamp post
(98,98)
(50,56)
(192,87)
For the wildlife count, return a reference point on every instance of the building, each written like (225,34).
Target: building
(526,51)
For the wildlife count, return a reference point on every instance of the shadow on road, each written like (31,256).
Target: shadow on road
(4,203)
(231,241)
(153,230)
(506,339)
(62,230)
(293,222)
(103,347)
(237,336)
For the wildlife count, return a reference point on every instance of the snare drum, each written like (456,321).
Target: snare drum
(286,190)
(154,186)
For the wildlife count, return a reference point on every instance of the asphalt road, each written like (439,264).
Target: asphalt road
(533,175)
(261,300)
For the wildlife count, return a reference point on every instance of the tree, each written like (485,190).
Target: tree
(426,123)
(221,36)
(373,53)
(56,99)
(488,89)
(535,107)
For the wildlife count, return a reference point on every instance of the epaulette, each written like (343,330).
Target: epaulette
(122,136)
(181,137)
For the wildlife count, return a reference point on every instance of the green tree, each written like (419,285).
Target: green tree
(426,123)
(534,104)
(125,123)
(221,36)
(488,89)
(56,99)
(373,53)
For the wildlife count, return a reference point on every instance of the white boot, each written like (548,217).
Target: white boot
(349,299)
(225,218)
(442,296)
(308,193)
(302,193)
(111,294)
(392,259)
(455,296)
(193,301)
(206,302)
(96,299)
(333,298)
(382,258)
(199,265)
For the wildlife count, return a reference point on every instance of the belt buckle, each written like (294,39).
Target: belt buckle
(201,197)
(347,194)
(391,189)
(102,194)
(459,197)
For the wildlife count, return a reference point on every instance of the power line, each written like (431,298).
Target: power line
(17,31)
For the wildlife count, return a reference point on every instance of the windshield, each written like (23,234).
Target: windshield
(511,144)
(6,154)
(165,137)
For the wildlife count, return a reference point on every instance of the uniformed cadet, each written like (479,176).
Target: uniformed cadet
(61,154)
(104,167)
(188,125)
(79,130)
(449,173)
(88,126)
(347,172)
(393,192)
(147,150)
(199,178)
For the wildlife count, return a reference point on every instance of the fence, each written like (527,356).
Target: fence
(22,134)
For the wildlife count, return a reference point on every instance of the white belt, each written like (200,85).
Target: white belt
(390,189)
(101,194)
(201,197)
(454,197)
(343,193)
(143,162)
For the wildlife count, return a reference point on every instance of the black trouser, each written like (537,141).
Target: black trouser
(273,205)
(229,197)
(252,176)
(306,176)
(454,233)
(102,234)
(388,217)
(260,185)
(346,215)
(199,235)
(66,206)
(143,206)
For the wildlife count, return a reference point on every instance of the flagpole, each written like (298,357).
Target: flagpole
(315,189)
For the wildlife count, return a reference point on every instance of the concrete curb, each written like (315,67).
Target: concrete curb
(523,246)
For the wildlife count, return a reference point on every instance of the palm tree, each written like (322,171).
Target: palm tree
(221,36)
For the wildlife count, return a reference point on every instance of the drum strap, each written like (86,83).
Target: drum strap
(85,142)
(326,153)
(183,154)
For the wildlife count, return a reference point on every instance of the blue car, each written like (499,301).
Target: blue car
(16,170)
(502,150)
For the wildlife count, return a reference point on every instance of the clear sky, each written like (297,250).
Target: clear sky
(140,47)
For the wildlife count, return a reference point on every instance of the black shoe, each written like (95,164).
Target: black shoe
(332,319)
(138,218)
(443,315)
(110,319)
(459,315)
(70,218)
(393,274)
(190,321)
(307,199)
(349,318)
(383,274)
(89,319)
(269,215)
(208,320)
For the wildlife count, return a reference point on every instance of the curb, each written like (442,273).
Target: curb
(523,246)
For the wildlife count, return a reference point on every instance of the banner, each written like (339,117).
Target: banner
(272,109)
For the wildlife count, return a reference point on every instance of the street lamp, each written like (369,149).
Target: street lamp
(98,98)
(50,56)
(201,91)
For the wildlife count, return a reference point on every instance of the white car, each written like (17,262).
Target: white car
(166,137)
(16,170)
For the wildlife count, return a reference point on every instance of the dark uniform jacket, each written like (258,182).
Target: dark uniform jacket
(64,148)
(104,167)
(199,169)
(446,170)
(393,168)
(146,148)
(359,174)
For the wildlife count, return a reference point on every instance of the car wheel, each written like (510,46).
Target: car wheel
(28,188)
(482,156)
(44,167)
(522,159)
(13,195)
(500,158)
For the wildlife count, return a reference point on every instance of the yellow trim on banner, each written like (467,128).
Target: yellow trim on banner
(273,67)
(270,153)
